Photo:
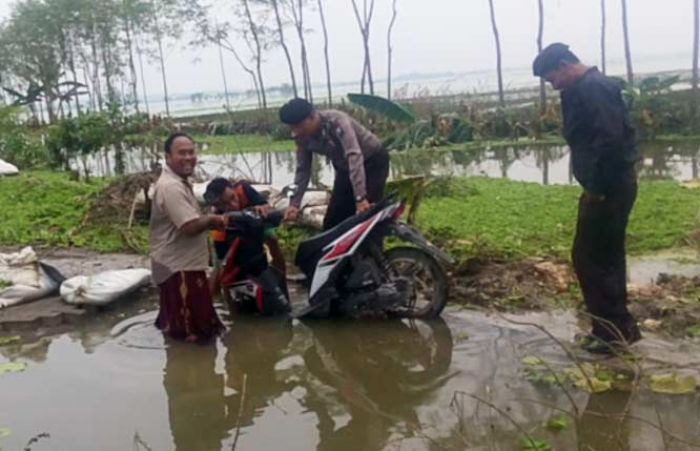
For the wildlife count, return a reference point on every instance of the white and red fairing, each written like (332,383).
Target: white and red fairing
(346,245)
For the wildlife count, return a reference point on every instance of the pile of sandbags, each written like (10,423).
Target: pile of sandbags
(313,207)
(23,278)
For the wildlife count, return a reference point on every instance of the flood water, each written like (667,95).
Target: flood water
(529,163)
(114,383)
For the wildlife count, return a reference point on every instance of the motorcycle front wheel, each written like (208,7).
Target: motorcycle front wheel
(428,286)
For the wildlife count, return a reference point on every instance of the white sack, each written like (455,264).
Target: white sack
(105,287)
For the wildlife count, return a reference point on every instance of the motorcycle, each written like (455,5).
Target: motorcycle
(349,272)
(258,287)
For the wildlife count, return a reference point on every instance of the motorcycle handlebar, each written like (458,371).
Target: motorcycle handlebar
(250,218)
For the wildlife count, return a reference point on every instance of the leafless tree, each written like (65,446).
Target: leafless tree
(390,50)
(296,7)
(283,43)
(325,51)
(540,32)
(696,49)
(364,21)
(257,52)
(499,70)
(603,26)
(628,53)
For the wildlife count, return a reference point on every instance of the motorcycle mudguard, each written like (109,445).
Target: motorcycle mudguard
(412,235)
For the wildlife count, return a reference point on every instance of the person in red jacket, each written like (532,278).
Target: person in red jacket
(235,254)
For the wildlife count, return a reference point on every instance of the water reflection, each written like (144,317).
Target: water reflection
(195,392)
(530,163)
(361,382)
(603,424)
(379,376)
(323,385)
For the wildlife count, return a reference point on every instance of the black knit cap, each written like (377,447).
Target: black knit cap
(295,111)
(215,189)
(551,58)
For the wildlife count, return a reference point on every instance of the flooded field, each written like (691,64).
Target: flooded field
(113,382)
(530,163)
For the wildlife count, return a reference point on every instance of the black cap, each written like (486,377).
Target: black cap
(295,111)
(551,59)
(215,189)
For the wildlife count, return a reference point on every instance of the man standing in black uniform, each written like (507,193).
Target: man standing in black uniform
(603,155)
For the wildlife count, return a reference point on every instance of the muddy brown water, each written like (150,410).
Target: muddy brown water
(522,162)
(112,382)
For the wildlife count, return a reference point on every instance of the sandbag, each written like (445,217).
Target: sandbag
(313,216)
(25,279)
(7,168)
(312,198)
(105,287)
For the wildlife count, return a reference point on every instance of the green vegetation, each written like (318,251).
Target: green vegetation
(47,208)
(225,144)
(514,219)
(467,216)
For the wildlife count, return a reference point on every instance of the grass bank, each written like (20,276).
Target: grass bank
(468,216)
(42,208)
(472,216)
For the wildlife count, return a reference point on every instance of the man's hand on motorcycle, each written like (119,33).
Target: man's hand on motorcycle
(217,222)
(262,210)
(291,214)
(362,206)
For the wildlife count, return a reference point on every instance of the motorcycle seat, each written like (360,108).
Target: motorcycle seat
(309,250)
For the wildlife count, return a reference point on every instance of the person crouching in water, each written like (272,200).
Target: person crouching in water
(240,248)
(360,160)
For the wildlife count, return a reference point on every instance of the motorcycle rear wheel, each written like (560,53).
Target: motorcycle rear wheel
(430,288)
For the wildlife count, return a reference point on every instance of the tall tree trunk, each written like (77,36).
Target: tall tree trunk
(368,20)
(41,112)
(628,53)
(501,98)
(363,23)
(91,90)
(161,60)
(258,54)
(603,27)
(389,49)
(696,50)
(223,75)
(325,51)
(540,32)
(132,67)
(298,16)
(106,62)
(96,73)
(71,64)
(139,53)
(307,74)
(360,24)
(283,43)
(49,108)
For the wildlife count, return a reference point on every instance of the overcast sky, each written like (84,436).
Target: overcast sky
(450,35)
